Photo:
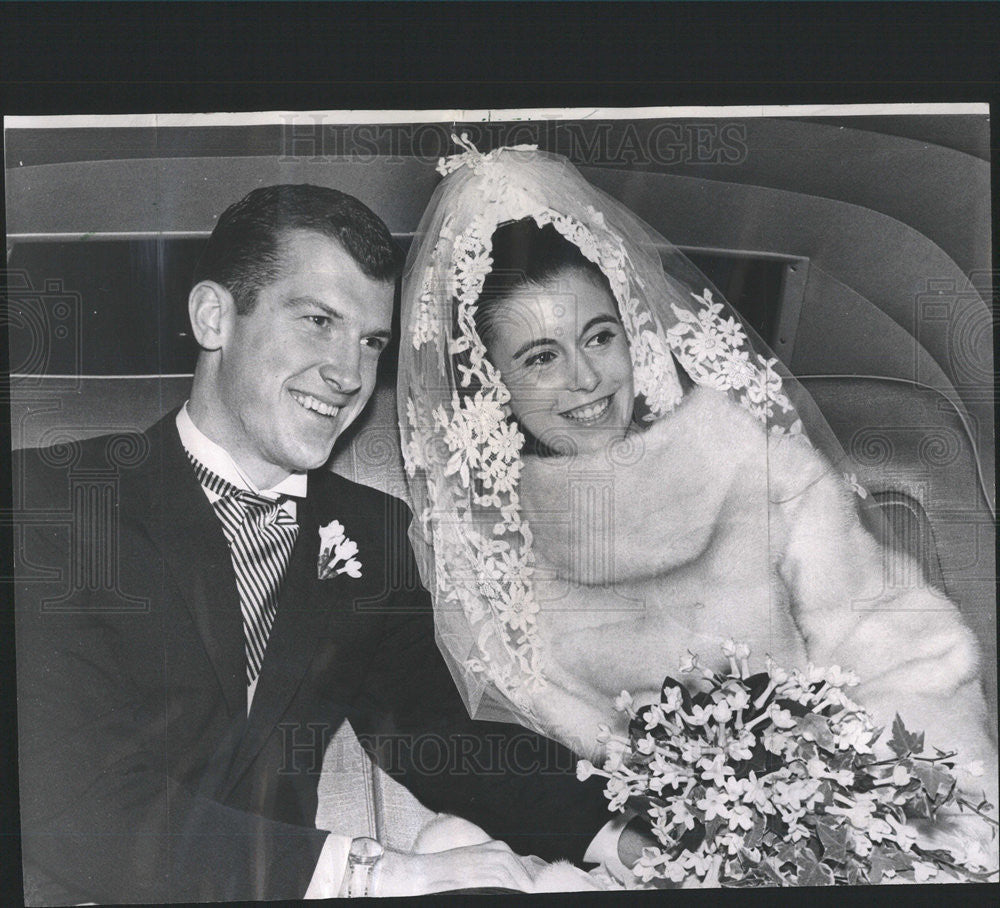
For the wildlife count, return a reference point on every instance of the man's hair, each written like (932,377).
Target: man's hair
(244,252)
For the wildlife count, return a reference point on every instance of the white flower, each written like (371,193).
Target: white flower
(816,768)
(861,845)
(697,861)
(714,805)
(755,792)
(782,718)
(691,750)
(618,793)
(775,741)
(689,662)
(336,552)
(584,770)
(648,866)
(852,480)
(352,569)
(905,836)
(741,748)
(346,549)
(734,788)
(681,815)
(732,841)
(654,716)
(736,695)
(860,814)
(878,829)
(673,699)
(741,817)
(777,673)
(623,703)
(737,369)
(722,712)
(645,745)
(843,777)
(839,677)
(715,769)
(853,731)
(331,534)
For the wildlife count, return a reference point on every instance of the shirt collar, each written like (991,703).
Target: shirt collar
(219,461)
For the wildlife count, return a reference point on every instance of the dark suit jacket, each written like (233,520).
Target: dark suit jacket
(142,777)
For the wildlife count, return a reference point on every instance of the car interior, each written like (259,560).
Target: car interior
(858,247)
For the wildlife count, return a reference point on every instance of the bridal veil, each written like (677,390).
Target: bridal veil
(463,451)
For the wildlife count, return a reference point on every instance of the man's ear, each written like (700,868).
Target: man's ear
(211,308)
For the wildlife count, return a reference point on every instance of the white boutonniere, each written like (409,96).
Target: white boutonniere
(337,552)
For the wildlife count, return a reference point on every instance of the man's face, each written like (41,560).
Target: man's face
(297,370)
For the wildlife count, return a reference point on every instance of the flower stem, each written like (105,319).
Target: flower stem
(976,810)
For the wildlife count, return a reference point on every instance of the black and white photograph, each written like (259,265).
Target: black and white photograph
(502,501)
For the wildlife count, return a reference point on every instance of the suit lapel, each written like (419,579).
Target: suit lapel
(182,523)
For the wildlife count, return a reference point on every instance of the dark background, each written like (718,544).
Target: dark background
(90,58)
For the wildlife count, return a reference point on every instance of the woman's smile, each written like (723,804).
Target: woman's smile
(591,413)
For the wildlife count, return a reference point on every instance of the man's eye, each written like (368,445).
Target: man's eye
(320,321)
(540,359)
(378,344)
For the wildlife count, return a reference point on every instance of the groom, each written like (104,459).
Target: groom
(184,623)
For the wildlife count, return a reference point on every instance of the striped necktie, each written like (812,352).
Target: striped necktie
(261,534)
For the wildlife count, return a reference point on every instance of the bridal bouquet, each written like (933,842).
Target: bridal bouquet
(771,780)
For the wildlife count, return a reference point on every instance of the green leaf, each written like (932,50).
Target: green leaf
(901,860)
(756,835)
(855,874)
(773,874)
(841,759)
(817,728)
(919,806)
(713,826)
(903,742)
(934,779)
(812,872)
(787,853)
(879,861)
(806,751)
(834,837)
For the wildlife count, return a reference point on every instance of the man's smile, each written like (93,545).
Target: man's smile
(315,405)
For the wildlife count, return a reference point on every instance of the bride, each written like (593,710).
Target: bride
(609,470)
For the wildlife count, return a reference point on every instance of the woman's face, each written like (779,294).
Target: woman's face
(564,357)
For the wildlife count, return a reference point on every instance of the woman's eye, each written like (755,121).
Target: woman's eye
(320,321)
(540,359)
(601,338)
(378,344)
